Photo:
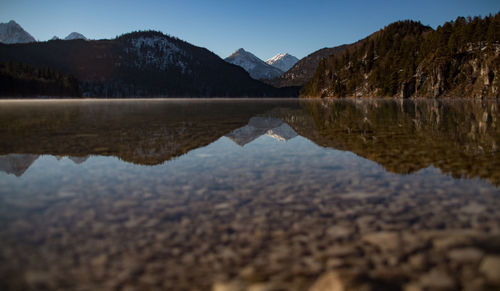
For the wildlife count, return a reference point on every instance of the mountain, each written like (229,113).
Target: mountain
(303,70)
(55,37)
(16,164)
(78,160)
(146,63)
(258,126)
(75,35)
(257,68)
(12,32)
(155,132)
(282,61)
(407,59)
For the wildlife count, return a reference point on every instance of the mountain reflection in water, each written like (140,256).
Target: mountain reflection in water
(459,137)
(239,194)
(257,126)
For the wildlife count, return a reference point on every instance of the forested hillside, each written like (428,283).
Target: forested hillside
(20,80)
(408,59)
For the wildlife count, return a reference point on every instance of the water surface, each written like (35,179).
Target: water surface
(241,194)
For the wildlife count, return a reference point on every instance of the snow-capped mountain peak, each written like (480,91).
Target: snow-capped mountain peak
(276,58)
(244,59)
(75,35)
(282,61)
(12,32)
(257,68)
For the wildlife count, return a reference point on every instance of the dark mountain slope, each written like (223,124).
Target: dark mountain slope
(303,71)
(18,80)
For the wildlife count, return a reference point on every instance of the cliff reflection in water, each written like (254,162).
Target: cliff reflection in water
(457,136)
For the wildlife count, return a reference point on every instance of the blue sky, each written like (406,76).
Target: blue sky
(262,27)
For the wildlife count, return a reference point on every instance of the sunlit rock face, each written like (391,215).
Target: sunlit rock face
(282,61)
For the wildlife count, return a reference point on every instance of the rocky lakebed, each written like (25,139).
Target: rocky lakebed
(254,195)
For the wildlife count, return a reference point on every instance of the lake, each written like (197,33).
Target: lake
(248,194)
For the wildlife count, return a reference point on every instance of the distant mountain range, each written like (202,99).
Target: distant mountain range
(92,78)
(12,33)
(147,63)
(405,59)
(71,36)
(257,68)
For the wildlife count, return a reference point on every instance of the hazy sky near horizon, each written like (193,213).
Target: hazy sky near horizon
(264,28)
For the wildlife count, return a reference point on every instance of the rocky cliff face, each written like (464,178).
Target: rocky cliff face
(475,73)
(472,73)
